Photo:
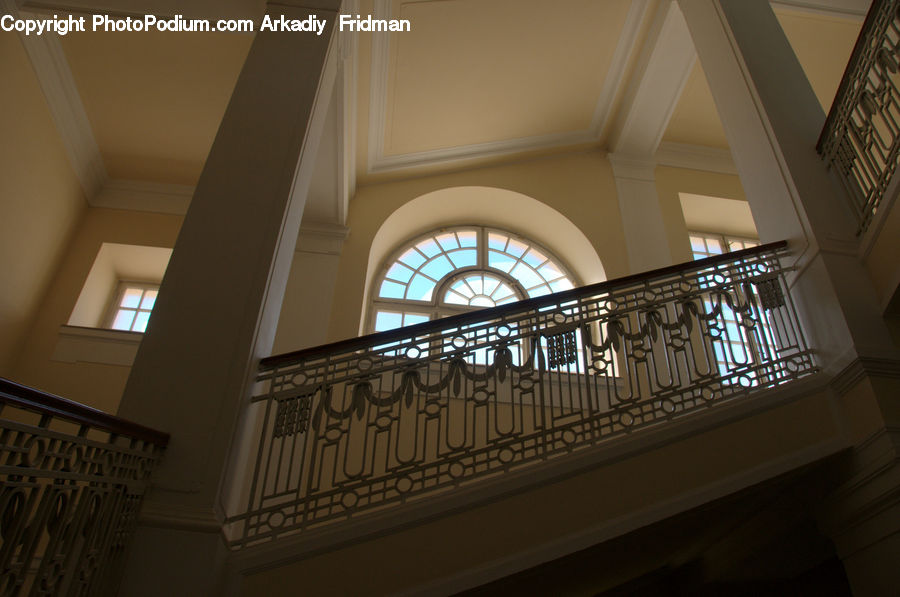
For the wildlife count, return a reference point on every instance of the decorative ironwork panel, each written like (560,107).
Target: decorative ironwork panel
(861,138)
(396,417)
(69,499)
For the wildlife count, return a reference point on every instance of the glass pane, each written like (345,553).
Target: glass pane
(476,284)
(140,322)
(516,248)
(500,261)
(560,285)
(412,258)
(550,272)
(464,258)
(534,258)
(467,238)
(429,247)
(386,320)
(420,288)
(525,275)
(715,246)
(497,241)
(448,241)
(414,318)
(400,272)
(698,244)
(437,268)
(132,298)
(481,301)
(123,319)
(149,299)
(539,291)
(391,290)
(455,298)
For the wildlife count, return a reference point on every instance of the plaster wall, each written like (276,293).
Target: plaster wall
(93,384)
(41,200)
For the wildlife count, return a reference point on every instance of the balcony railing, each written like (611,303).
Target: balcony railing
(71,483)
(382,420)
(861,137)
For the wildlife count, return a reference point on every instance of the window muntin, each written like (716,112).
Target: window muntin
(461,269)
(132,307)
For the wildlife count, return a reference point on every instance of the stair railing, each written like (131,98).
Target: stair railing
(71,483)
(860,141)
(374,422)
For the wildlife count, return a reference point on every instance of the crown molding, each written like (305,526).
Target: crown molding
(138,195)
(64,102)
(378,162)
(695,157)
(853,9)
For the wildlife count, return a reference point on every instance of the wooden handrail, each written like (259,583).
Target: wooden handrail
(35,400)
(494,313)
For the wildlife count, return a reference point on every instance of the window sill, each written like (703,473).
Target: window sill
(77,344)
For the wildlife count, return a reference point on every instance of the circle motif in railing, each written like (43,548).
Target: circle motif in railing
(503,331)
(526,384)
(432,409)
(559,318)
(481,395)
(299,379)
(568,437)
(506,455)
(707,394)
(383,422)
(459,341)
(334,434)
(456,469)
(413,352)
(275,520)
(667,406)
(404,484)
(349,500)
(364,364)
(626,419)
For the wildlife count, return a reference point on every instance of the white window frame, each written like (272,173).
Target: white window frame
(116,303)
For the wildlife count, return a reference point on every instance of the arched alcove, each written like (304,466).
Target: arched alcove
(485,206)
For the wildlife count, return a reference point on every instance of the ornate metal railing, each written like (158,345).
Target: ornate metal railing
(385,419)
(71,483)
(861,137)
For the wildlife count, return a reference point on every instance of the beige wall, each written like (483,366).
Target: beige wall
(94,384)
(670,182)
(41,200)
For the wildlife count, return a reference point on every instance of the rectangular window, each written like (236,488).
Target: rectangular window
(132,307)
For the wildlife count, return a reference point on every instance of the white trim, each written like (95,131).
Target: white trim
(64,102)
(378,162)
(655,87)
(327,239)
(695,157)
(145,196)
(93,345)
(347,121)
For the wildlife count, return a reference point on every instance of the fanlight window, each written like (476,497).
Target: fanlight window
(456,270)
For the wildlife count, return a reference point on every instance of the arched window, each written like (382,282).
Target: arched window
(455,270)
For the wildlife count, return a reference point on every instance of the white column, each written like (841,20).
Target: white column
(772,120)
(642,220)
(220,299)
(310,289)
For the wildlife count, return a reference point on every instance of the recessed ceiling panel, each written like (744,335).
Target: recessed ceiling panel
(474,71)
(155,100)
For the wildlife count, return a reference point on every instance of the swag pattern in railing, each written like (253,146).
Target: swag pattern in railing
(390,418)
(861,137)
(71,483)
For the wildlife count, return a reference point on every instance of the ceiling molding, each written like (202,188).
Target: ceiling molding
(145,196)
(64,102)
(378,162)
(695,157)
(655,88)
(853,9)
(322,238)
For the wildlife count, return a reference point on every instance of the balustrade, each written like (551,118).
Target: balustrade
(72,483)
(385,419)
(861,137)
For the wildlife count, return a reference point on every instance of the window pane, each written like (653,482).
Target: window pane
(429,247)
(481,301)
(467,238)
(500,261)
(140,322)
(132,298)
(534,258)
(526,276)
(464,258)
(123,319)
(516,248)
(400,272)
(149,299)
(391,290)
(414,318)
(420,288)
(448,241)
(437,268)
(412,258)
(385,320)
(497,241)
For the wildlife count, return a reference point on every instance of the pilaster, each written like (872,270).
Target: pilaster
(221,297)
